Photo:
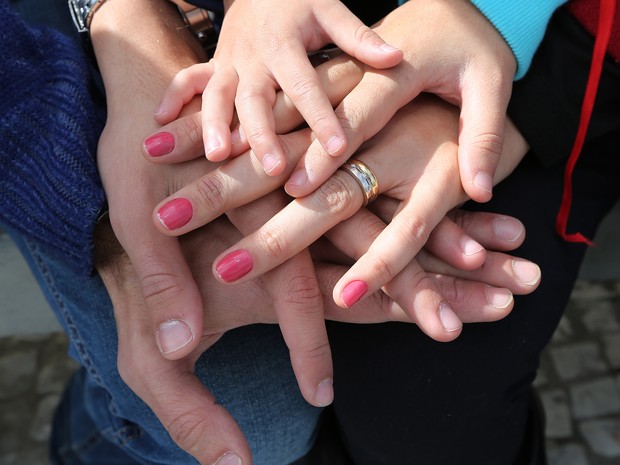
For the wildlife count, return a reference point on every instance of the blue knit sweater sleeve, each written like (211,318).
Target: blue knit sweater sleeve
(50,190)
(522,23)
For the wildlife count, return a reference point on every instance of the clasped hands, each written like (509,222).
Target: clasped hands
(453,280)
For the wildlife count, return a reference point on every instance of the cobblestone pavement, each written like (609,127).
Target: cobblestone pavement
(579,384)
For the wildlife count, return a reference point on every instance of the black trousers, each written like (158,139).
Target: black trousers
(403,398)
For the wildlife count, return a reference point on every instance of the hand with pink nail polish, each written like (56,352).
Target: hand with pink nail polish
(262,48)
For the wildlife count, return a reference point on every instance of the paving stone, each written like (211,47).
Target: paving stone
(603,436)
(592,290)
(578,360)
(568,454)
(595,398)
(601,318)
(563,332)
(52,377)
(557,414)
(17,372)
(41,428)
(611,343)
(9,458)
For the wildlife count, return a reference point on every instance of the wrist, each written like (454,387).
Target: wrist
(140,45)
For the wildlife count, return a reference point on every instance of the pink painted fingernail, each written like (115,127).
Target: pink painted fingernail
(175,213)
(334,144)
(159,144)
(234,265)
(173,335)
(353,292)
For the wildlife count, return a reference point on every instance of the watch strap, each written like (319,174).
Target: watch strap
(199,21)
(82,12)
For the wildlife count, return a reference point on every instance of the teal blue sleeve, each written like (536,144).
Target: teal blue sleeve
(522,23)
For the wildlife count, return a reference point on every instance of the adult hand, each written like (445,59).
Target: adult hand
(451,50)
(186,409)
(139,46)
(414,159)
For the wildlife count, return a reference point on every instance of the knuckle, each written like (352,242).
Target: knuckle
(301,89)
(489,143)
(383,269)
(187,429)
(336,197)
(209,189)
(272,243)
(453,290)
(192,131)
(161,288)
(415,233)
(302,294)
(364,33)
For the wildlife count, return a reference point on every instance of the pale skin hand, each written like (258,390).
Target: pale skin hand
(420,170)
(449,49)
(134,187)
(186,409)
(261,49)
(139,46)
(414,161)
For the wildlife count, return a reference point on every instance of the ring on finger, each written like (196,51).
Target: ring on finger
(364,177)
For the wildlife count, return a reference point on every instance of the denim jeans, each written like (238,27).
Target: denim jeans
(101,421)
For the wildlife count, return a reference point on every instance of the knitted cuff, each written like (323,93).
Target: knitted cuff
(50,189)
(521,23)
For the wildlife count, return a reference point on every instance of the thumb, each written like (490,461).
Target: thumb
(186,409)
(171,296)
(481,138)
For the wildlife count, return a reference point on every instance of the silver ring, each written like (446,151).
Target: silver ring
(364,177)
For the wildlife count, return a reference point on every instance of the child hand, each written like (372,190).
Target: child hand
(262,48)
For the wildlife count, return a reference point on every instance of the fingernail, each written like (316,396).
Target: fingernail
(387,48)
(298,178)
(353,292)
(526,272)
(173,335)
(175,213)
(449,320)
(159,144)
(484,181)
(324,393)
(498,298)
(234,265)
(508,229)
(160,110)
(334,144)
(229,458)
(470,247)
(270,162)
(212,144)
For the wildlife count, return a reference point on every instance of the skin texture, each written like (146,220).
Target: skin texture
(257,46)
(140,46)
